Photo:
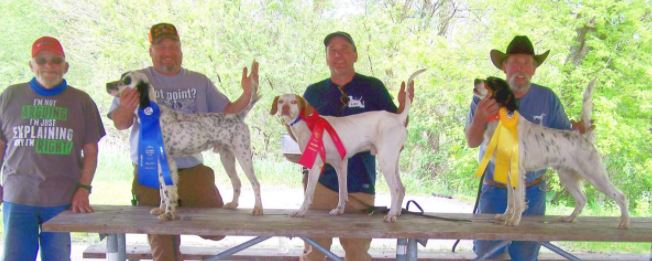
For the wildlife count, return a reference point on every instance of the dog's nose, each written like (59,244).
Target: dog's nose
(285,110)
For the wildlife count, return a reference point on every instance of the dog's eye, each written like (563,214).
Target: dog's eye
(126,80)
(293,102)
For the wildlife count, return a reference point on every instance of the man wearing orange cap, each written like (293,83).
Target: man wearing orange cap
(189,92)
(537,104)
(48,136)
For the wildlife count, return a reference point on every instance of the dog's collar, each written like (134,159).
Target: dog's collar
(295,121)
(494,117)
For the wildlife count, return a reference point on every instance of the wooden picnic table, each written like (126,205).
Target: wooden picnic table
(118,220)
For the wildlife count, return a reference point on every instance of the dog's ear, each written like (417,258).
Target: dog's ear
(502,93)
(304,107)
(308,110)
(274,106)
(143,91)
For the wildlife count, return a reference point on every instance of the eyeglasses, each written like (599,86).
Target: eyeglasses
(54,60)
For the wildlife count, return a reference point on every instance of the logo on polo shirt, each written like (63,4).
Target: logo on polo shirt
(356,103)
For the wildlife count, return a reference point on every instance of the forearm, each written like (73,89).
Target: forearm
(474,133)
(239,104)
(2,153)
(122,118)
(89,163)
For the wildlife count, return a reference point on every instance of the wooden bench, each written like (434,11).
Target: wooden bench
(142,251)
(139,251)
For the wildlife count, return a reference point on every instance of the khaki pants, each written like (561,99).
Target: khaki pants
(196,189)
(355,249)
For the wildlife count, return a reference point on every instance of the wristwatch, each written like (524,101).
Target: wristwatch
(84,186)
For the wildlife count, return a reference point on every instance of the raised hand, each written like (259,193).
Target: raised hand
(249,81)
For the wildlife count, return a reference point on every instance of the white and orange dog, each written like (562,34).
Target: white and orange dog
(189,134)
(381,132)
(569,152)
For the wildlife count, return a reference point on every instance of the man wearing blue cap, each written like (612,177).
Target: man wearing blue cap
(345,93)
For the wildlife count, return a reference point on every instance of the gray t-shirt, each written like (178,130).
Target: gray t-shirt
(44,136)
(187,92)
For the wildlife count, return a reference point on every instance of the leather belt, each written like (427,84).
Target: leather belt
(492,182)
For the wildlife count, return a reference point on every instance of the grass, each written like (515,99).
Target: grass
(112,186)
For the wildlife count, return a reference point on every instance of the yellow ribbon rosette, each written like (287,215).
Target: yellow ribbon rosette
(504,143)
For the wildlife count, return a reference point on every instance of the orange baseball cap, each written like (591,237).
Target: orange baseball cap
(47,43)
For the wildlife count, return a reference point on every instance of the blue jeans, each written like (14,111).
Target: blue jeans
(493,200)
(23,235)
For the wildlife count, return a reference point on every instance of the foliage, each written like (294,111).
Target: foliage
(609,41)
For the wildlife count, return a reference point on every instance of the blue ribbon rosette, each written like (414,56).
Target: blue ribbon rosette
(151,151)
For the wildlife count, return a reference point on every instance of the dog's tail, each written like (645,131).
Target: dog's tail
(587,108)
(255,96)
(404,114)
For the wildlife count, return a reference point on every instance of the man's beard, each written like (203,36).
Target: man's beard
(516,87)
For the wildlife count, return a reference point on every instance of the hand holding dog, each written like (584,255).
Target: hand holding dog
(579,126)
(487,107)
(129,100)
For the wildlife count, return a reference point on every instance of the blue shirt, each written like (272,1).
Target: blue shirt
(540,105)
(365,94)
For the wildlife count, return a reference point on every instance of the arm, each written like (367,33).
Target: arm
(80,202)
(2,161)
(3,146)
(123,116)
(247,83)
(475,131)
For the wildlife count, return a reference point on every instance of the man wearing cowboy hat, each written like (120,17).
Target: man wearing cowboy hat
(537,104)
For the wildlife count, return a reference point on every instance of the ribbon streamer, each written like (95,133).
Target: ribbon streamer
(151,150)
(504,143)
(315,145)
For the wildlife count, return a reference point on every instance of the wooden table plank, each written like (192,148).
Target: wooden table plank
(128,219)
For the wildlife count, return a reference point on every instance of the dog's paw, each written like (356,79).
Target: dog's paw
(167,216)
(156,211)
(500,217)
(567,219)
(390,218)
(336,211)
(257,211)
(512,221)
(231,205)
(298,213)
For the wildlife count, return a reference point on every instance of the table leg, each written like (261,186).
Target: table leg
(231,251)
(401,249)
(559,251)
(412,250)
(328,253)
(116,247)
(492,251)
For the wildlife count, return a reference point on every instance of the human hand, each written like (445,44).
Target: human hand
(251,81)
(80,202)
(402,93)
(129,99)
(487,107)
(579,126)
